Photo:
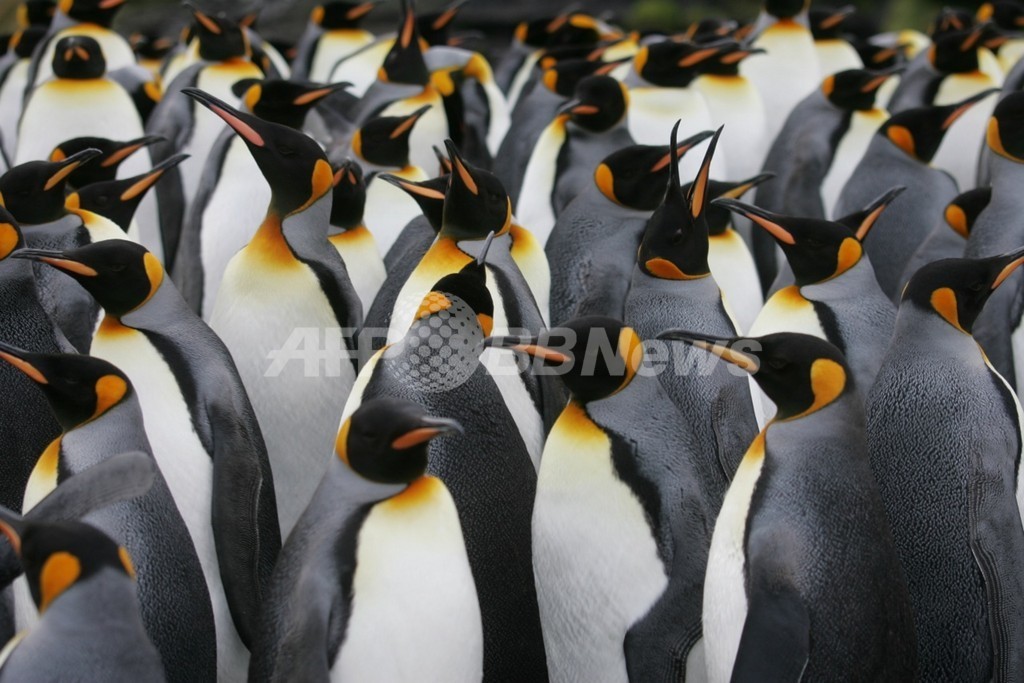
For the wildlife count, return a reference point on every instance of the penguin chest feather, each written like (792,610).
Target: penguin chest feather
(849,151)
(788,311)
(389,209)
(595,557)
(725,597)
(735,272)
(414,610)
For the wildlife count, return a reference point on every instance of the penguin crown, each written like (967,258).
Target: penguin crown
(404,62)
(339,14)
(800,373)
(854,89)
(1006,14)
(727,57)
(385,440)
(117,200)
(957,51)
(349,195)
(36,13)
(99,12)
(58,555)
(563,77)
(1005,134)
(24,42)
(673,64)
(827,22)
(599,103)
(220,38)
(595,356)
(475,202)
(786,9)
(435,26)
(384,140)
(957,289)
(33,192)
(79,57)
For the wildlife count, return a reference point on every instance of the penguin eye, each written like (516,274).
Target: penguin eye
(778,363)
(814,243)
(976,286)
(118,267)
(286,151)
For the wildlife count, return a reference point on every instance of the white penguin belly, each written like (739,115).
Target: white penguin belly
(528,253)
(431,128)
(388,209)
(534,209)
(725,593)
(849,152)
(286,343)
(414,611)
(234,212)
(735,103)
(835,55)
(500,118)
(595,560)
(186,466)
(116,51)
(359,251)
(63,109)
(786,74)
(654,111)
(216,80)
(736,274)
(958,152)
(11,95)
(333,46)
(361,70)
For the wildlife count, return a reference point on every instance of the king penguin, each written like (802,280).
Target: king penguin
(834,52)
(288,281)
(14,68)
(199,422)
(803,580)
(349,235)
(944,433)
(333,32)
(113,153)
(100,416)
(378,551)
(900,154)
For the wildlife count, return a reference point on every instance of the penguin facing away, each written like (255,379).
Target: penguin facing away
(378,550)
(940,408)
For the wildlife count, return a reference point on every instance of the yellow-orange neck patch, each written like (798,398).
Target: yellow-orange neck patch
(60,571)
(943,300)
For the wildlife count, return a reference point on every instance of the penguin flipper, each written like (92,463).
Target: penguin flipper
(735,425)
(117,478)
(657,647)
(776,639)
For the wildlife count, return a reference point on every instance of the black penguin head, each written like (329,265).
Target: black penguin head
(576,28)
(33,192)
(918,132)
(948,20)
(24,41)
(11,238)
(957,51)
(475,201)
(1006,14)
(827,22)
(817,250)
(600,102)
(118,200)
(435,27)
(220,37)
(880,57)
(104,167)
(961,213)
(801,374)
(384,140)
(79,388)
(1005,134)
(151,46)
(293,164)
(468,285)
(100,12)
(785,9)
(79,58)
(956,289)
(36,13)
(563,76)
(385,440)
(675,241)
(635,176)
(595,356)
(56,556)
(348,196)
(718,217)
(429,194)
(404,61)
(120,275)
(340,14)
(727,58)
(673,64)
(280,101)
(854,89)
(862,221)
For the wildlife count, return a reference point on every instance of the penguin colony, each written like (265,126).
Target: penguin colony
(622,358)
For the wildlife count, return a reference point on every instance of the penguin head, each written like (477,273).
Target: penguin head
(961,213)
(384,140)
(595,356)
(957,51)
(79,388)
(675,242)
(280,101)
(673,64)
(475,201)
(118,200)
(854,89)
(33,192)
(293,164)
(104,167)
(468,285)
(801,374)
(404,62)
(120,275)
(599,104)
(950,19)
(880,57)
(956,289)
(11,238)
(827,22)
(727,57)
(79,58)
(385,440)
(1005,134)
(562,77)
(786,9)
(220,38)
(23,42)
(1006,14)
(57,556)
(635,176)
(918,132)
(152,46)
(348,196)
(718,218)
(100,12)
(817,250)
(339,14)
(533,33)
(36,13)
(428,194)
(435,26)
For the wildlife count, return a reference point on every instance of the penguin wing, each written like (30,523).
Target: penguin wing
(116,479)
(734,423)
(776,639)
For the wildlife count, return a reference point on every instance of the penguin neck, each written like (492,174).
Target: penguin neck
(843,419)
(277,238)
(154,314)
(1007,176)
(926,335)
(107,599)
(354,489)
(853,282)
(702,289)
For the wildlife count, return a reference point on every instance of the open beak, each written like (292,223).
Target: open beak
(765,219)
(723,348)
(681,149)
(459,168)
(432,427)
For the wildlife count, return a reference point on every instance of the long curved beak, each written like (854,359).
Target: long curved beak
(1013,260)
(245,125)
(682,148)
(130,148)
(529,346)
(460,169)
(57,259)
(875,209)
(765,219)
(723,348)
(146,180)
(67,166)
(432,427)
(21,360)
